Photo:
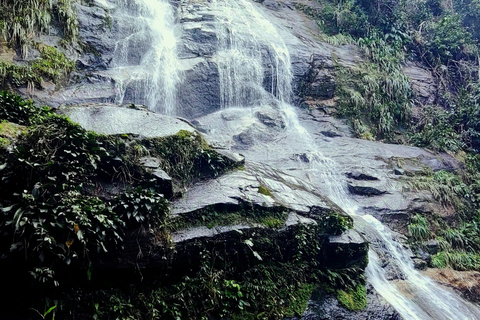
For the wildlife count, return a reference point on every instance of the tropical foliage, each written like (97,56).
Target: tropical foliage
(21,20)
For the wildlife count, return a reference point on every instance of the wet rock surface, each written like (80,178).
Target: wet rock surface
(160,178)
(240,186)
(349,244)
(365,188)
(110,119)
(465,282)
(369,169)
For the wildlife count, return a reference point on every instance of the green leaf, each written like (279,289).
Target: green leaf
(255,253)
(49,310)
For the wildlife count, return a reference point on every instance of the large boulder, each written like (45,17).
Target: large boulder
(110,119)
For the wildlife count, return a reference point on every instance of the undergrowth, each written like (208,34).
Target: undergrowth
(21,20)
(55,178)
(459,238)
(52,65)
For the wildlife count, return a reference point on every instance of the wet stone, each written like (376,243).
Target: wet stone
(150,162)
(357,175)
(239,159)
(365,189)
(419,264)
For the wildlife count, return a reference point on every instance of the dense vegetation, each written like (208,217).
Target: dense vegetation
(378,100)
(21,20)
(20,23)
(56,206)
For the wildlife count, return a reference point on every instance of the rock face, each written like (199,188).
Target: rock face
(160,178)
(349,244)
(423,83)
(260,201)
(110,119)
(312,62)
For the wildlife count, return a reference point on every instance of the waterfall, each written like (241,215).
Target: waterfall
(248,48)
(145,64)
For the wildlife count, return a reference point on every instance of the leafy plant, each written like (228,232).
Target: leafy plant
(52,65)
(419,228)
(21,20)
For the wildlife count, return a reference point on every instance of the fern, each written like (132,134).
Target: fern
(419,228)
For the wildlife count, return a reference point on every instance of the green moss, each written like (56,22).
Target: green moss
(53,63)
(353,299)
(8,132)
(186,157)
(265,191)
(245,214)
(10,129)
(4,142)
(300,301)
(184,134)
(273,223)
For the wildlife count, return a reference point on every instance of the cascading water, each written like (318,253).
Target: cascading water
(249,46)
(145,65)
(413,295)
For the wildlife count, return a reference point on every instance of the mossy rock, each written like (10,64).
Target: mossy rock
(353,299)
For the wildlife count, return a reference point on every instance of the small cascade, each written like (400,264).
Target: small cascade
(413,295)
(145,65)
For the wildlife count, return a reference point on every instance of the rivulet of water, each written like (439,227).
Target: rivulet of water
(252,59)
(145,64)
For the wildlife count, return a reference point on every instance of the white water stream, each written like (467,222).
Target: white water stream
(248,46)
(254,70)
(145,64)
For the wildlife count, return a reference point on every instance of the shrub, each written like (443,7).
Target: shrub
(419,229)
